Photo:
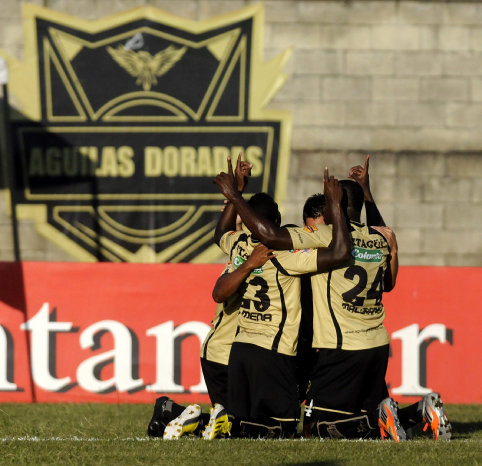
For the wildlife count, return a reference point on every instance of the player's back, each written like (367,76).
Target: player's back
(270,308)
(348,309)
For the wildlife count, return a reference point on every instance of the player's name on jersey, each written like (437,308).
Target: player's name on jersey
(362,310)
(257,316)
(125,161)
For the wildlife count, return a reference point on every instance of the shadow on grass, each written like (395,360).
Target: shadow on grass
(320,463)
(461,430)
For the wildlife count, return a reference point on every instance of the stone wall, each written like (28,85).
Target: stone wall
(401,80)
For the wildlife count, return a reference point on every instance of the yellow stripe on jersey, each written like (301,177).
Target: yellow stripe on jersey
(270,308)
(347,302)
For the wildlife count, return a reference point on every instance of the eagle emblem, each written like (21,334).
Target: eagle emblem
(144,66)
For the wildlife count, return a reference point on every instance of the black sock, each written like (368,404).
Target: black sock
(411,415)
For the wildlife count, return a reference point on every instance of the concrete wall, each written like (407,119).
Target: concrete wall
(401,80)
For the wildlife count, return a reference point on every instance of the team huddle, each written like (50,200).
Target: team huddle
(299,323)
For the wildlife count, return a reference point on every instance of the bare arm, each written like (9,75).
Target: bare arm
(227,220)
(392,270)
(228,284)
(339,249)
(360,175)
(266,231)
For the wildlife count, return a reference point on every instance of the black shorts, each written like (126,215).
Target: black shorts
(262,384)
(216,378)
(348,381)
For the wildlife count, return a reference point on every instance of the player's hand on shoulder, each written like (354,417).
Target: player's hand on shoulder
(260,255)
(389,235)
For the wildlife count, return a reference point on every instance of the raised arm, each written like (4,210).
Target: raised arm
(264,230)
(339,249)
(360,175)
(227,220)
(228,283)
(390,278)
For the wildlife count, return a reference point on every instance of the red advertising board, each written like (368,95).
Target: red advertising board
(105,332)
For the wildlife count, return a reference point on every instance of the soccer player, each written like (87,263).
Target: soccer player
(262,391)
(348,394)
(171,420)
(313,211)
(217,345)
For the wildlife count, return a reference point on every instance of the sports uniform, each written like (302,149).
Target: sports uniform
(262,382)
(217,346)
(348,332)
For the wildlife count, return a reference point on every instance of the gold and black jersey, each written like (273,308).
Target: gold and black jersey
(311,237)
(270,309)
(217,344)
(347,302)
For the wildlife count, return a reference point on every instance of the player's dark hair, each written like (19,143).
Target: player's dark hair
(352,195)
(314,206)
(265,206)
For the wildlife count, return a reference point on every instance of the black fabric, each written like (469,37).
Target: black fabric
(305,355)
(337,426)
(349,381)
(373,215)
(216,378)
(255,430)
(165,410)
(261,384)
(410,415)
(157,424)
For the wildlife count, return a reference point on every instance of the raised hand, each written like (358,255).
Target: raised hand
(242,172)
(333,194)
(360,175)
(227,183)
(332,189)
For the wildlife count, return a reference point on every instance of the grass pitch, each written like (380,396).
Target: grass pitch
(92,434)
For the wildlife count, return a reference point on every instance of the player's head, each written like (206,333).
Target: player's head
(352,201)
(265,206)
(314,210)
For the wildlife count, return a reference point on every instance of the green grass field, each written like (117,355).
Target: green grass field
(116,434)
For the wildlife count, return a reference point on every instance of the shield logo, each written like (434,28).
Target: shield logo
(126,121)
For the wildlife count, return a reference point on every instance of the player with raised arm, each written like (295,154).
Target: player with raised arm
(171,420)
(261,384)
(348,390)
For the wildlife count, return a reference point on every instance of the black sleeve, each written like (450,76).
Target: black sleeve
(374,217)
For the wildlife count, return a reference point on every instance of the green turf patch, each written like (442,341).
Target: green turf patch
(91,434)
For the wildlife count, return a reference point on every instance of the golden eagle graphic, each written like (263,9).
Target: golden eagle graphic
(145,66)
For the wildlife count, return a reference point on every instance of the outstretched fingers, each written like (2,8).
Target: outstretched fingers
(230,166)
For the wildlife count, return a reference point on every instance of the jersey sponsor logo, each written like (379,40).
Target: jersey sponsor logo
(238,261)
(311,229)
(126,120)
(367,255)
(294,251)
(369,244)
